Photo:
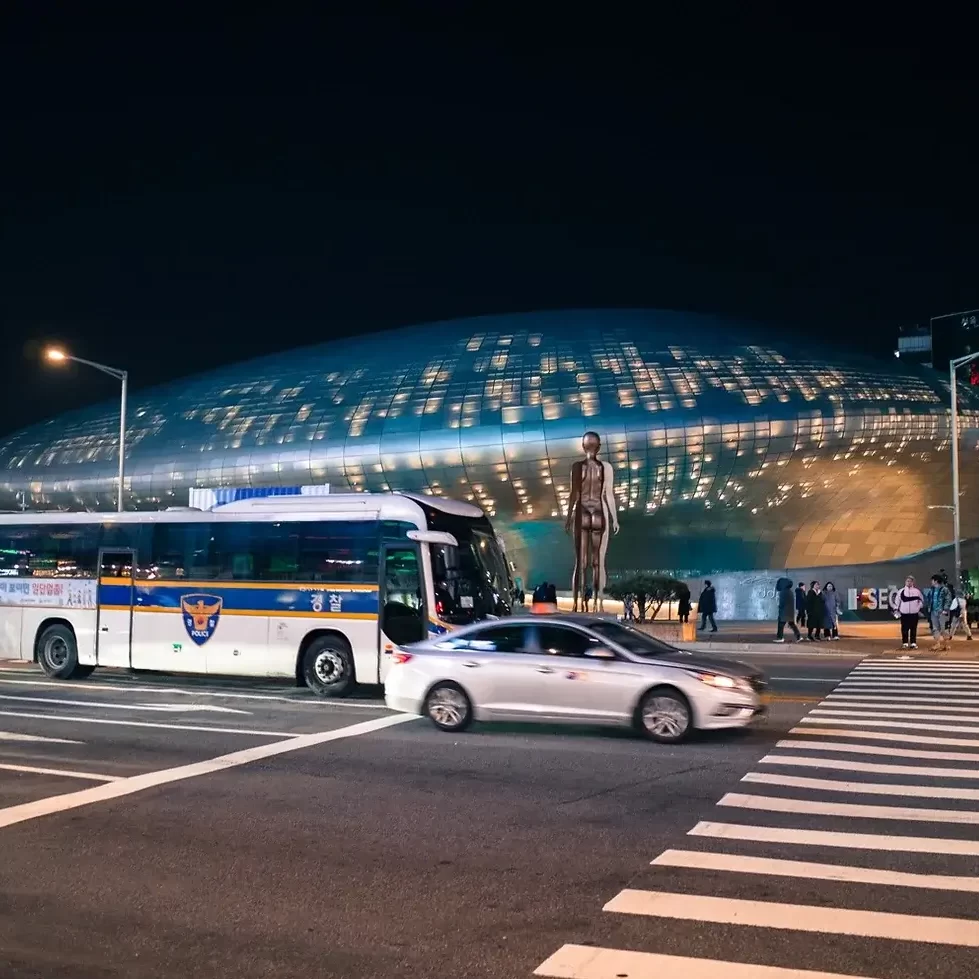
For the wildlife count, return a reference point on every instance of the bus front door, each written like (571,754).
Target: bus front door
(402,603)
(114,629)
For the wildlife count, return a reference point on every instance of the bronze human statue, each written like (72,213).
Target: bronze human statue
(591,512)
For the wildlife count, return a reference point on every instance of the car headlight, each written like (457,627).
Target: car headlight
(723,682)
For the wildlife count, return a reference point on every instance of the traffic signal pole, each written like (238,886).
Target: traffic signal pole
(953,366)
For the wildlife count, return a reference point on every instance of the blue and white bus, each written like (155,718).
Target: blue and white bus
(316,588)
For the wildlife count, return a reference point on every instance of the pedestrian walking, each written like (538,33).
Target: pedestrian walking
(958,615)
(786,609)
(800,604)
(683,604)
(831,612)
(707,606)
(941,601)
(910,603)
(814,611)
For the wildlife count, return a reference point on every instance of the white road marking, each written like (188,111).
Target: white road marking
(137,783)
(863,788)
(958,686)
(850,841)
(843,873)
(808,679)
(74,719)
(111,686)
(848,711)
(590,962)
(912,814)
(870,749)
(797,917)
(901,724)
(14,736)
(166,708)
(925,662)
(88,776)
(911,703)
(843,765)
(884,736)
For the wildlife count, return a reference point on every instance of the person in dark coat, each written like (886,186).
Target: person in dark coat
(683,603)
(786,609)
(814,611)
(707,606)
(800,604)
(831,612)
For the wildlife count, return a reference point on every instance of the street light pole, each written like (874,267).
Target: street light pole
(953,366)
(59,356)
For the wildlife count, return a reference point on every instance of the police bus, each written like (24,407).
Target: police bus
(316,588)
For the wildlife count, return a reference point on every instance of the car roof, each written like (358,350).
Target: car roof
(557,618)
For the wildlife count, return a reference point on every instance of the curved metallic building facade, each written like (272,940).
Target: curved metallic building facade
(732,448)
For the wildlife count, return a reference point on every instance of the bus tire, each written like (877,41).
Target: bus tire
(328,667)
(57,652)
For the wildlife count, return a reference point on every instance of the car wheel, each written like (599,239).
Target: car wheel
(328,667)
(448,707)
(665,716)
(57,652)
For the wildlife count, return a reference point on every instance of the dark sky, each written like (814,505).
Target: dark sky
(173,198)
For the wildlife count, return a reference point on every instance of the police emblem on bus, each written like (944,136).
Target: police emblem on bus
(200,614)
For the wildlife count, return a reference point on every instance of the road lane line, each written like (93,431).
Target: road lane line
(863,788)
(862,766)
(842,873)
(855,711)
(149,780)
(591,962)
(871,749)
(89,776)
(883,736)
(15,736)
(809,807)
(900,724)
(164,708)
(73,719)
(963,686)
(95,686)
(797,917)
(829,838)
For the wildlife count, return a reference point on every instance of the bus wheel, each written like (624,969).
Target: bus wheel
(57,652)
(328,667)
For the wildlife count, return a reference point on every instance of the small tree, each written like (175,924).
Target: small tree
(649,591)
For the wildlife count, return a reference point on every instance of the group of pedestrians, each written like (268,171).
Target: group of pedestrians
(816,609)
(945,609)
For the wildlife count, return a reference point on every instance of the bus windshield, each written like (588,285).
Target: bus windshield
(472,581)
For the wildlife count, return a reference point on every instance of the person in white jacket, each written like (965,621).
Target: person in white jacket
(910,602)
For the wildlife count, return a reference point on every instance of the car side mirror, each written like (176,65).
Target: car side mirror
(599,653)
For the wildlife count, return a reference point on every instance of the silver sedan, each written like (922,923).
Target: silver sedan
(583,669)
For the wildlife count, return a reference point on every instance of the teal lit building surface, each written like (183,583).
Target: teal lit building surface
(733,447)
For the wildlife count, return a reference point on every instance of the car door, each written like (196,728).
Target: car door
(582,688)
(495,666)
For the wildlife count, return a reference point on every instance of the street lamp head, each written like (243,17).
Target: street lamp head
(55,354)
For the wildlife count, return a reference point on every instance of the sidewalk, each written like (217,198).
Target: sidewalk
(856,639)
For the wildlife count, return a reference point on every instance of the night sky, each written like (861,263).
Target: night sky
(173,199)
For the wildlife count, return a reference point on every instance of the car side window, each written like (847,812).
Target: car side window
(494,639)
(561,641)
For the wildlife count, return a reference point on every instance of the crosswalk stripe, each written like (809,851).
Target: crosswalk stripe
(918,727)
(850,841)
(884,736)
(591,962)
(872,749)
(856,704)
(797,917)
(854,698)
(863,766)
(809,807)
(922,686)
(864,788)
(921,662)
(855,711)
(843,873)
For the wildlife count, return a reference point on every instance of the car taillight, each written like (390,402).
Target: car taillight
(401,657)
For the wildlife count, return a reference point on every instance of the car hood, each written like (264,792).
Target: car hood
(709,664)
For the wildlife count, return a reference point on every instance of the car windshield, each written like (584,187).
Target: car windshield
(633,640)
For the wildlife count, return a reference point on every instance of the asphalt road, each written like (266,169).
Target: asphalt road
(240,829)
